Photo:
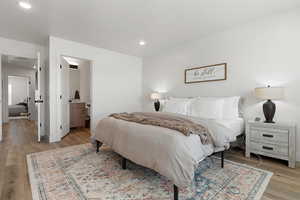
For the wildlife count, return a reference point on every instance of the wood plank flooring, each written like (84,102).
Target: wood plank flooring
(19,139)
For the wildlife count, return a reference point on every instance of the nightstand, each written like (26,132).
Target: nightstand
(274,140)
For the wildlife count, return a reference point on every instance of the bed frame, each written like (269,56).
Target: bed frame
(175,188)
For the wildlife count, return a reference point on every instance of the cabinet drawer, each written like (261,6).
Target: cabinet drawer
(78,111)
(270,136)
(269,148)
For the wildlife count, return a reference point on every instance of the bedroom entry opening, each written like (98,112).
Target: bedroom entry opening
(75,106)
(19,92)
(18,97)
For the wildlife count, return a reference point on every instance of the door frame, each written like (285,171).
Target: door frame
(64,95)
(59,117)
(1,99)
(28,92)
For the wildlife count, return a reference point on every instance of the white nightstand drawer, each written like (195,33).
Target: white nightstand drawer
(270,136)
(271,129)
(270,148)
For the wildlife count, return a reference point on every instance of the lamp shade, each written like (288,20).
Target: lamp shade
(155,96)
(269,93)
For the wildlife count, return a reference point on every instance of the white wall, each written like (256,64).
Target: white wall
(115,81)
(23,49)
(85,80)
(19,89)
(259,53)
(74,82)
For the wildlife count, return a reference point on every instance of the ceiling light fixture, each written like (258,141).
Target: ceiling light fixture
(24,4)
(142,42)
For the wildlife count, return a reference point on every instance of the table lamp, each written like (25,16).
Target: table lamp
(156,96)
(269,94)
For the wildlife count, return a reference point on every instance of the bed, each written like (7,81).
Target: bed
(167,151)
(17,110)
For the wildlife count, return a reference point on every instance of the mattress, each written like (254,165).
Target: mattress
(235,127)
(223,131)
(16,110)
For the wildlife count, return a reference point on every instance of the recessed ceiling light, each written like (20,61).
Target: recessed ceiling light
(24,4)
(142,42)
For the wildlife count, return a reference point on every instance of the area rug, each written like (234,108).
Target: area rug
(78,172)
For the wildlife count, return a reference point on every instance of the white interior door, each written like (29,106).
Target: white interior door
(65,97)
(0,98)
(29,100)
(39,101)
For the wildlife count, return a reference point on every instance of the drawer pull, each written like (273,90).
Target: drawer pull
(267,148)
(268,135)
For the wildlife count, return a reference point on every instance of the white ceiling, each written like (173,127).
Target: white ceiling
(14,61)
(119,24)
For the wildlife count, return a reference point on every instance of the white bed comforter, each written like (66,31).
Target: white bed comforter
(166,151)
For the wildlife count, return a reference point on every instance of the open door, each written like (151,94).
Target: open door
(0,98)
(39,101)
(65,97)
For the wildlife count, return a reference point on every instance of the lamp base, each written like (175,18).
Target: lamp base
(269,109)
(270,122)
(156,105)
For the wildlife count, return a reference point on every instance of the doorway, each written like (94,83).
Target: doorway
(20,87)
(75,94)
(18,97)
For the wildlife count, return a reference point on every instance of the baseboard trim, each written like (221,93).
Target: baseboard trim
(45,138)
(297,164)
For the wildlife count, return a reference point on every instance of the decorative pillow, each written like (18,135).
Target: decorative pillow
(231,107)
(206,107)
(176,105)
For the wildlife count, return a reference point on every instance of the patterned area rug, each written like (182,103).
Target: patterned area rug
(77,172)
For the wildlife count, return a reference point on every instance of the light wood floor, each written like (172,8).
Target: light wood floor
(19,139)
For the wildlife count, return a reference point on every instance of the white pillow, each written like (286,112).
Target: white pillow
(231,107)
(177,105)
(206,107)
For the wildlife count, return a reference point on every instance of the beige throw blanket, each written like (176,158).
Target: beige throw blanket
(182,125)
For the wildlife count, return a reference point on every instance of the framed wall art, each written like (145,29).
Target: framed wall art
(217,72)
